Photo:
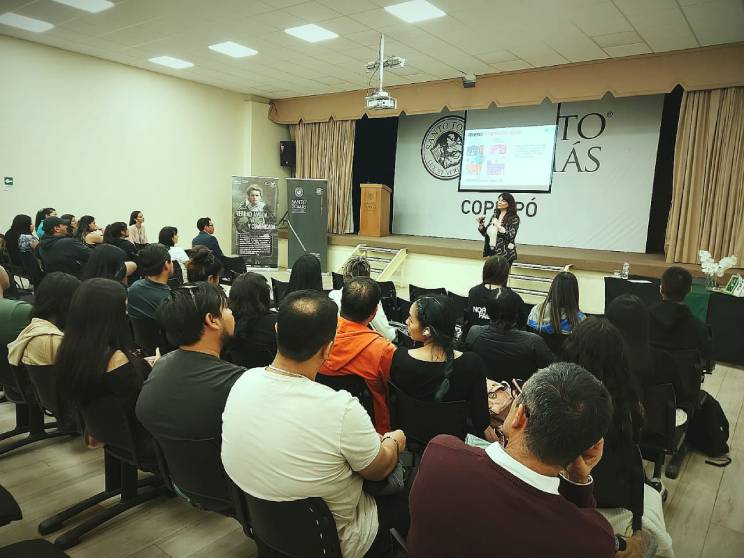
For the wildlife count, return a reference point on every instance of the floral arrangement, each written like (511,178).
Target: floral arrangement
(713,268)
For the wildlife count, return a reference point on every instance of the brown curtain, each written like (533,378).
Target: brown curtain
(326,150)
(707,210)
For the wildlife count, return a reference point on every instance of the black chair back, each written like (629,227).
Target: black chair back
(176,280)
(459,305)
(422,420)
(31,267)
(8,379)
(690,370)
(387,290)
(355,385)
(295,529)
(338,280)
(148,335)
(278,289)
(660,409)
(44,382)
(195,470)
(108,422)
(554,341)
(414,292)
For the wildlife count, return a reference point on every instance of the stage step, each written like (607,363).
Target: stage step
(383,262)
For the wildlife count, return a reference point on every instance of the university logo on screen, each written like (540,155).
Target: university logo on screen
(441,147)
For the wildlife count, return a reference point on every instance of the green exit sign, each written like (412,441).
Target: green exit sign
(8,181)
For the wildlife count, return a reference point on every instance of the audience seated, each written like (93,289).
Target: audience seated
(254,343)
(108,262)
(169,237)
(559,312)
(437,372)
(619,479)
(672,324)
(15,315)
(651,366)
(495,276)
(88,231)
(137,232)
(38,343)
(118,235)
(359,267)
(206,237)
(59,252)
(532,498)
(147,294)
(305,274)
(19,238)
(184,395)
(39,222)
(508,352)
(96,357)
(286,437)
(71,223)
(360,350)
(204,266)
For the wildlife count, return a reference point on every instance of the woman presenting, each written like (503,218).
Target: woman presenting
(501,230)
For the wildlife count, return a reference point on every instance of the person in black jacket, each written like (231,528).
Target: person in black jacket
(673,326)
(58,252)
(500,231)
(117,234)
(507,351)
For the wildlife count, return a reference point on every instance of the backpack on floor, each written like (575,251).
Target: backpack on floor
(709,428)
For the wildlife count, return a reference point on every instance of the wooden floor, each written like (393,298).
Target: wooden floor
(704,511)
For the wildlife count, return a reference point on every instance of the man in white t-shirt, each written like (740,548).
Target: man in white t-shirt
(286,437)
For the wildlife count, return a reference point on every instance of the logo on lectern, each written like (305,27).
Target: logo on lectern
(441,148)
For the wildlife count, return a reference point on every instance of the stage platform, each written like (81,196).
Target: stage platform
(603,261)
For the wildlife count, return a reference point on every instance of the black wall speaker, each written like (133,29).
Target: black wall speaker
(287,153)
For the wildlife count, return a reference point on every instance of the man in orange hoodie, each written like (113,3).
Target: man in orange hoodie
(360,350)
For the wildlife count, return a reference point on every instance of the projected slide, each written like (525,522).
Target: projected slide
(515,159)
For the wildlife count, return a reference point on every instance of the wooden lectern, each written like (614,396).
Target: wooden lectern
(374,213)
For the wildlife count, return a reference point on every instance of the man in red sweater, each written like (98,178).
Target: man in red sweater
(360,350)
(530,499)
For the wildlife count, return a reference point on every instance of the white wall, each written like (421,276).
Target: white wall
(87,136)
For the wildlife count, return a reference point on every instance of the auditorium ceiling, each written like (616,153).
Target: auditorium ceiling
(474,37)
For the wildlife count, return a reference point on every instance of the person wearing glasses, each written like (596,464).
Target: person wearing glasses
(531,496)
(147,294)
(206,237)
(185,394)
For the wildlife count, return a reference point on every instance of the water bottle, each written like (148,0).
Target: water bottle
(626,270)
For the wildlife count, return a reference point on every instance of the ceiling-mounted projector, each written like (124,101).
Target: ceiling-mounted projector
(381,99)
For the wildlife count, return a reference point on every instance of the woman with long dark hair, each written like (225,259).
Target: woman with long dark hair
(108,262)
(254,343)
(500,232)
(436,371)
(137,232)
(619,479)
(168,236)
(20,238)
(117,234)
(559,313)
(204,266)
(97,356)
(305,274)
(38,343)
(88,231)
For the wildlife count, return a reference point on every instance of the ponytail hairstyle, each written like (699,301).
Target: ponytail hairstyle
(203,265)
(436,314)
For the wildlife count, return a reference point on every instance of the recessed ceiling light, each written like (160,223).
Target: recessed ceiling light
(92,6)
(236,50)
(25,23)
(171,62)
(415,10)
(311,33)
